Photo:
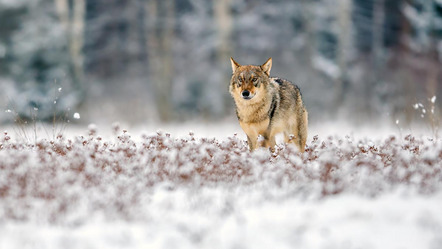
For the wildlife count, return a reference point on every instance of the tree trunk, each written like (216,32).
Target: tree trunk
(310,30)
(377,54)
(433,68)
(344,46)
(62,8)
(77,40)
(74,26)
(141,33)
(160,36)
(224,20)
(165,87)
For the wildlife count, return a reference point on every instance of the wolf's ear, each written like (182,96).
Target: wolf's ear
(235,64)
(267,66)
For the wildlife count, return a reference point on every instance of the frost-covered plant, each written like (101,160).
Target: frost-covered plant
(26,127)
(68,180)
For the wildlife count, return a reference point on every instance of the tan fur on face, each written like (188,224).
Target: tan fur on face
(276,106)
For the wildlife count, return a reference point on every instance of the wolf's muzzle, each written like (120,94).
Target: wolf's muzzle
(246,94)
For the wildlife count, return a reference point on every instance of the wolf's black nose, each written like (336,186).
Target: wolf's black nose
(245,93)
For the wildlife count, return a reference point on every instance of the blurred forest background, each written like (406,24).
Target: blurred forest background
(168,60)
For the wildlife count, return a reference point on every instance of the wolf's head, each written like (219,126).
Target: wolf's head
(249,81)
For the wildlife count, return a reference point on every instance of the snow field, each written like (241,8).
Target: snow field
(162,191)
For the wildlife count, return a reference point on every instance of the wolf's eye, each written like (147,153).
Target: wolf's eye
(239,82)
(254,80)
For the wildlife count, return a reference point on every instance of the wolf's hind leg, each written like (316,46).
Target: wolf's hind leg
(303,130)
(269,142)
(293,138)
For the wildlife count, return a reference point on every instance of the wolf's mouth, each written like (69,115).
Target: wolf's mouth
(248,97)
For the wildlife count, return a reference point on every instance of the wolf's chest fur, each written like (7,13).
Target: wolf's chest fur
(260,109)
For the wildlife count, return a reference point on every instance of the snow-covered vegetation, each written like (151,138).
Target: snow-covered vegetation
(161,191)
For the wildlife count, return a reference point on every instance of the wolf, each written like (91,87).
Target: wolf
(266,106)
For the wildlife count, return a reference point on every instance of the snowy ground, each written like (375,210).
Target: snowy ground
(182,191)
(220,218)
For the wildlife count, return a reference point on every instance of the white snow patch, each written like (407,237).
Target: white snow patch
(217,218)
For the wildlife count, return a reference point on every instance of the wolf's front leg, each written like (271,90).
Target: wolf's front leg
(253,142)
